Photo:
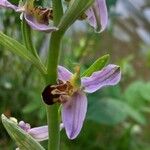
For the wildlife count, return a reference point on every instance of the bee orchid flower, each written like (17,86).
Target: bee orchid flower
(97,15)
(72,94)
(36,17)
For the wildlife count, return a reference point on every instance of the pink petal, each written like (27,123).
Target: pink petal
(103,14)
(7,4)
(64,74)
(100,8)
(73,114)
(91,18)
(37,26)
(109,75)
(39,133)
(25,126)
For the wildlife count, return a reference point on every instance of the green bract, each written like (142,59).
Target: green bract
(75,10)
(97,65)
(23,140)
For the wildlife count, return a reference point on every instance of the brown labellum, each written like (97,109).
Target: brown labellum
(43,14)
(54,93)
(48,97)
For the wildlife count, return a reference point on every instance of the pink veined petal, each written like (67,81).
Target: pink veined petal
(91,18)
(98,15)
(108,76)
(41,133)
(73,114)
(103,14)
(37,26)
(7,4)
(64,74)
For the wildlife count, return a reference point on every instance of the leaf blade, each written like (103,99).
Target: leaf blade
(112,111)
(20,50)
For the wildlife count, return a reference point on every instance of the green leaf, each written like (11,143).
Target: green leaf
(110,111)
(21,51)
(133,94)
(145,91)
(23,140)
(96,66)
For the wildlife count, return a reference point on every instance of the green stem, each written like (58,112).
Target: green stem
(53,124)
(52,111)
(53,55)
(53,59)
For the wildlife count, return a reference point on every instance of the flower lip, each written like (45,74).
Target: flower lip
(41,14)
(47,95)
(56,93)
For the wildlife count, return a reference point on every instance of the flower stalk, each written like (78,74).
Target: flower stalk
(52,110)
(53,118)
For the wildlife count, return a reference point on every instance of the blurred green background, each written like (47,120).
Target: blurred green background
(118,118)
